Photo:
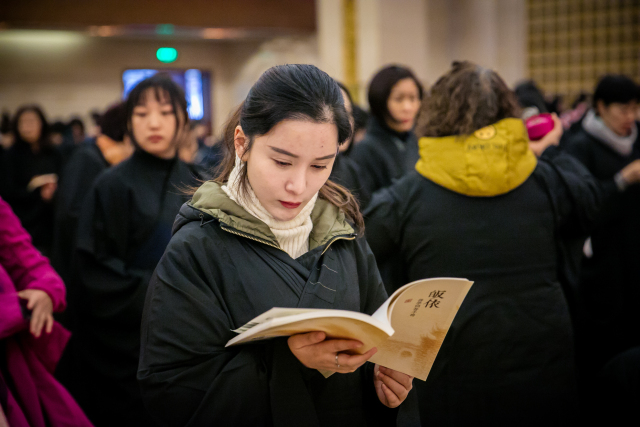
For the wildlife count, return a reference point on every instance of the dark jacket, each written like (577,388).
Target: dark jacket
(346,172)
(222,268)
(383,157)
(19,166)
(78,175)
(123,230)
(487,211)
(614,242)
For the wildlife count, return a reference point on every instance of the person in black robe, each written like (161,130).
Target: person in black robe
(606,142)
(124,227)
(85,165)
(29,175)
(270,231)
(346,171)
(481,206)
(389,149)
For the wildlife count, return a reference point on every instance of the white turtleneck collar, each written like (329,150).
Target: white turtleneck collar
(292,235)
(594,125)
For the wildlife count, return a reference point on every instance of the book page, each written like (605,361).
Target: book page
(421,314)
(335,323)
(270,314)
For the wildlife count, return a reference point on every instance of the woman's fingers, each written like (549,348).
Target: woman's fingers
(49,323)
(336,346)
(303,340)
(37,322)
(404,379)
(398,389)
(41,310)
(392,399)
(355,360)
(29,296)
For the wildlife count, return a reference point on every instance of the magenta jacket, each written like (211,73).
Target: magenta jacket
(32,393)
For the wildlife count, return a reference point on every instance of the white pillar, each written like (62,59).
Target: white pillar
(330,37)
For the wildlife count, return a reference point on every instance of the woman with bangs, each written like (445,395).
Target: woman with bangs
(487,204)
(123,230)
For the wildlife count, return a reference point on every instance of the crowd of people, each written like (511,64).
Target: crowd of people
(160,243)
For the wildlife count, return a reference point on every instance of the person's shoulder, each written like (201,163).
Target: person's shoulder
(409,184)
(198,235)
(367,152)
(84,157)
(579,140)
(397,195)
(196,172)
(114,178)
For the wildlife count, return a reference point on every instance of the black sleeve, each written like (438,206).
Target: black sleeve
(577,147)
(369,166)
(372,291)
(112,291)
(10,189)
(576,194)
(373,295)
(186,374)
(77,178)
(382,223)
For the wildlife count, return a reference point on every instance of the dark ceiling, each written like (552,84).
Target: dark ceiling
(297,16)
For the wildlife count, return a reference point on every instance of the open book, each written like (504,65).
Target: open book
(408,329)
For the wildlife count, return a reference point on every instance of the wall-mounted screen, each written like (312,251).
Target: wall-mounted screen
(195,83)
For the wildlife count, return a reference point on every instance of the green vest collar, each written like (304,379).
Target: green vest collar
(328,220)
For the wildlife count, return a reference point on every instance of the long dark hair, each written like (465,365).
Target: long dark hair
(381,86)
(44,142)
(163,88)
(467,98)
(291,92)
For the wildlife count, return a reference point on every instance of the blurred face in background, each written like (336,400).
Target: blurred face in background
(155,123)
(618,117)
(56,138)
(77,132)
(29,126)
(403,105)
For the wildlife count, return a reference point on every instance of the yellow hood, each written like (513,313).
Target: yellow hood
(493,161)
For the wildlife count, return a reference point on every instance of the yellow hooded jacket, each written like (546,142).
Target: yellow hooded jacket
(492,161)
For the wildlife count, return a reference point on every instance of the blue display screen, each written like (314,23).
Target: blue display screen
(194,82)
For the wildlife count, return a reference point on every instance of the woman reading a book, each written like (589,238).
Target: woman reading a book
(270,231)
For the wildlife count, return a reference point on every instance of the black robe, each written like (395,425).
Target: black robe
(123,231)
(19,166)
(78,176)
(384,156)
(214,278)
(616,252)
(508,358)
(346,172)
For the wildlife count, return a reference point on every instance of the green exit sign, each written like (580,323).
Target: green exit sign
(166,54)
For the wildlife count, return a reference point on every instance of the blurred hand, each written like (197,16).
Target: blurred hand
(631,172)
(392,387)
(552,138)
(317,352)
(48,190)
(6,141)
(41,308)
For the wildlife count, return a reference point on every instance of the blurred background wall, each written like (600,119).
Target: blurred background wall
(69,55)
